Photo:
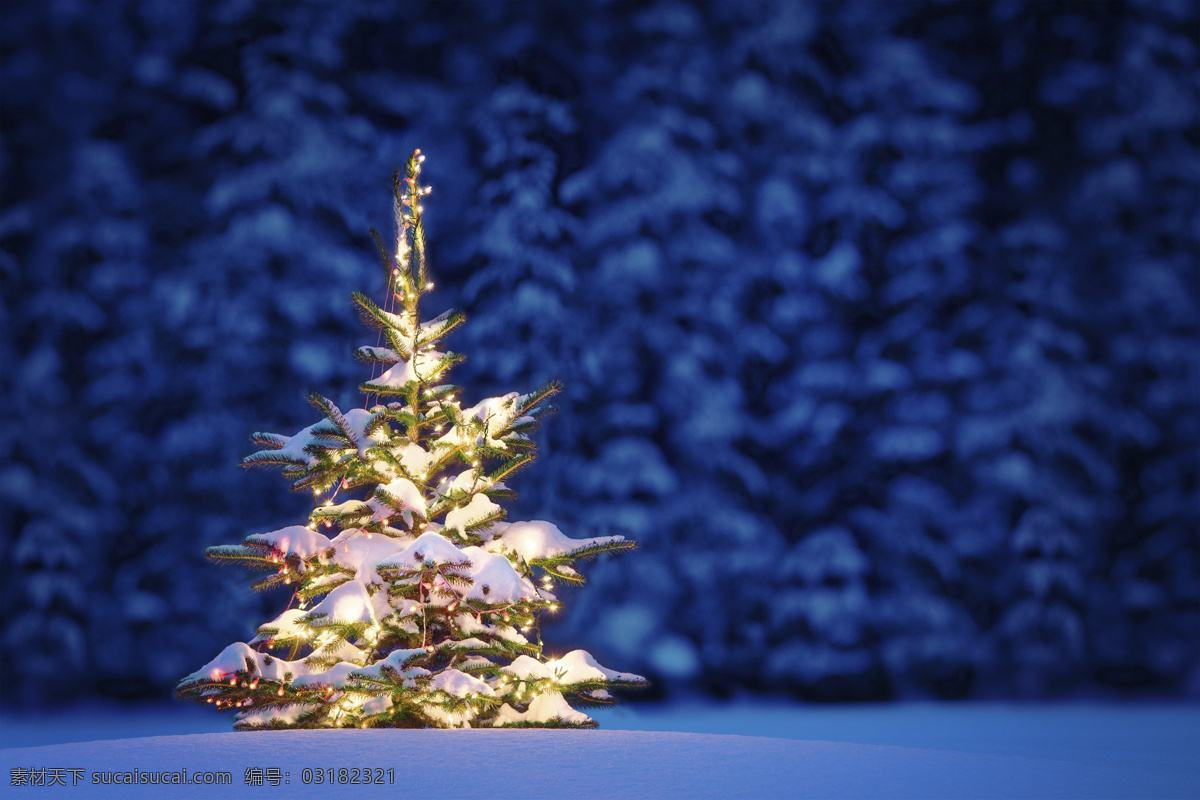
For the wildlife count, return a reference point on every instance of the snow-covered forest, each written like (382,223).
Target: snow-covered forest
(879,323)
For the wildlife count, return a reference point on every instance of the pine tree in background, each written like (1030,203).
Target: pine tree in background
(660,360)
(416,612)
(896,206)
(884,313)
(522,293)
(74,245)
(1130,100)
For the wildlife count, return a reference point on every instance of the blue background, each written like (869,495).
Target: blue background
(878,322)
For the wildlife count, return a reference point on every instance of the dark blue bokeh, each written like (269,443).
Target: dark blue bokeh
(879,322)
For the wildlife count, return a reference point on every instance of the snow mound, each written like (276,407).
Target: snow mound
(578,666)
(403,494)
(544,708)
(348,604)
(233,660)
(495,580)
(461,517)
(524,668)
(428,548)
(295,540)
(460,684)
(540,539)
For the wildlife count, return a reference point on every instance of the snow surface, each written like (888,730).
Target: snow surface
(970,749)
(594,764)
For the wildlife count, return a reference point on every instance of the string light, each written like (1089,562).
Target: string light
(456,711)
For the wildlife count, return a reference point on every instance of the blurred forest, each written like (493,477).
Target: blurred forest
(879,322)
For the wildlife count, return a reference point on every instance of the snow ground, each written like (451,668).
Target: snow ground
(741,749)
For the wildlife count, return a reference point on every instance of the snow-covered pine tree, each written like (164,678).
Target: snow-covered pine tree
(418,611)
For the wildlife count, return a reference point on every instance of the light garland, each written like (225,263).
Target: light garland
(437,599)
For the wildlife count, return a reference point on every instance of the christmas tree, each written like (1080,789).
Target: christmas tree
(414,603)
